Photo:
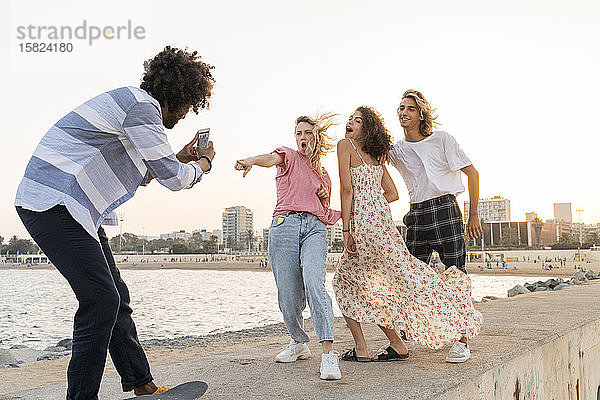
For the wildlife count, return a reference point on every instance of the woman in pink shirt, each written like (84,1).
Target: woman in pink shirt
(298,237)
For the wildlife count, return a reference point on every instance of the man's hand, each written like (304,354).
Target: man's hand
(243,165)
(188,153)
(474,227)
(209,151)
(323,195)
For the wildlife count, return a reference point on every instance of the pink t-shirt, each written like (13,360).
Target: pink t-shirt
(296,182)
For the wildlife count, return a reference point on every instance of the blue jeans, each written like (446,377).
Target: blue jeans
(103,320)
(297,253)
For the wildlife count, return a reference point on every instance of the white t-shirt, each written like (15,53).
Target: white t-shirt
(430,167)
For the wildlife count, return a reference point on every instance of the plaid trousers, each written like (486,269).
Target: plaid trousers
(437,224)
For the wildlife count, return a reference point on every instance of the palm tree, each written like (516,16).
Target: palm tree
(485,234)
(509,236)
(538,224)
(230,242)
(249,239)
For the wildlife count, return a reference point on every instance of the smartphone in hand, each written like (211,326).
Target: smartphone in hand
(203,135)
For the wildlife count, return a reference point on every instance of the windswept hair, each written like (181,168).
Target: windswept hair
(323,142)
(375,139)
(426,112)
(179,79)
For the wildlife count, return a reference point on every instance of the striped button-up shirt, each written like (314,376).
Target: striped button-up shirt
(95,158)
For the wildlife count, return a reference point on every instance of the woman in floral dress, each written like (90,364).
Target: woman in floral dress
(378,281)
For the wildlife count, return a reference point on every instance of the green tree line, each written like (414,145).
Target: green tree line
(196,245)
(16,245)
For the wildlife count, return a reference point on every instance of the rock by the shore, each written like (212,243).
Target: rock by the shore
(591,275)
(489,298)
(579,276)
(552,283)
(49,356)
(517,290)
(7,358)
(20,354)
(231,337)
(55,349)
(541,289)
(66,343)
(561,286)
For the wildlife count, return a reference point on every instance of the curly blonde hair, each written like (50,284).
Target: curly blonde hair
(323,142)
(425,111)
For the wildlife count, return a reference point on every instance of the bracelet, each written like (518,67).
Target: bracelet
(345,230)
(209,164)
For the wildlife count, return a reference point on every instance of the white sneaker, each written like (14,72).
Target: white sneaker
(330,368)
(292,352)
(459,352)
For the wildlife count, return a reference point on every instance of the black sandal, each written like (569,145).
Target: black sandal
(350,355)
(389,354)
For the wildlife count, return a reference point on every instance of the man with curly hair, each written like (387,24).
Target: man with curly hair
(90,162)
(431,163)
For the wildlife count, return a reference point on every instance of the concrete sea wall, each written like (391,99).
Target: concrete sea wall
(566,367)
(562,366)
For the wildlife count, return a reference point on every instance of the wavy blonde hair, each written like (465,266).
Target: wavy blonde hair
(425,111)
(323,142)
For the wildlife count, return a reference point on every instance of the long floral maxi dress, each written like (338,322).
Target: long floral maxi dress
(385,285)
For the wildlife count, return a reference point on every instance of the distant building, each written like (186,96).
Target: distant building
(265,239)
(496,209)
(219,234)
(562,212)
(334,233)
(531,216)
(561,228)
(258,241)
(205,234)
(523,233)
(237,221)
(182,234)
(504,233)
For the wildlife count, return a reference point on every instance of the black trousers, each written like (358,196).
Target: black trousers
(437,224)
(103,320)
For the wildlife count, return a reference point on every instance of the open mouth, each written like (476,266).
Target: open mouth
(303,146)
(349,130)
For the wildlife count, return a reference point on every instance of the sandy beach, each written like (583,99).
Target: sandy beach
(514,268)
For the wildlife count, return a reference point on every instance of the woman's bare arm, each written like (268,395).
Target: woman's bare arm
(346,192)
(389,187)
(263,160)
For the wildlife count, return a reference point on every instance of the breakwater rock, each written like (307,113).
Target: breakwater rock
(578,278)
(19,354)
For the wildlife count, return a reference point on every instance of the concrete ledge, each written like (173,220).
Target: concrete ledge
(564,365)
(542,345)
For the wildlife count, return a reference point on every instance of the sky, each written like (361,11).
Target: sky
(515,82)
